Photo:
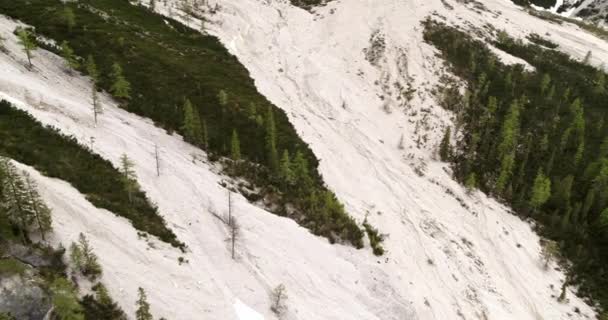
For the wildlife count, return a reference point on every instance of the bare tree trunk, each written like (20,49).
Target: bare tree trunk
(229,207)
(157,160)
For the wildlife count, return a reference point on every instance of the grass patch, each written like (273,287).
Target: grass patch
(10,267)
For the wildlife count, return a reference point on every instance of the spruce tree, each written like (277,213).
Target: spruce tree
(27,42)
(285,169)
(41,212)
(471,182)
(129,179)
(91,68)
(300,171)
(271,141)
(69,18)
(121,88)
(192,127)
(70,58)
(205,141)
(506,148)
(143,307)
(15,199)
(235,147)
(444,147)
(90,266)
(541,191)
(222,98)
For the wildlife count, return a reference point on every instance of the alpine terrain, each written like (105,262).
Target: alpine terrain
(303,159)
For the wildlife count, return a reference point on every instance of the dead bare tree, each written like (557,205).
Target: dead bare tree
(278,297)
(157,160)
(229,205)
(234,234)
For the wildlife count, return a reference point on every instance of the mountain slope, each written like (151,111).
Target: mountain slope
(341,74)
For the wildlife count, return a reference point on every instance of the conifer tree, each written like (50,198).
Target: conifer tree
(205,136)
(222,98)
(129,179)
(27,42)
(278,297)
(192,127)
(68,55)
(15,199)
(271,141)
(2,47)
(471,182)
(121,88)
(506,148)
(69,18)
(235,146)
(444,147)
(143,307)
(91,68)
(600,82)
(41,212)
(300,172)
(541,191)
(285,169)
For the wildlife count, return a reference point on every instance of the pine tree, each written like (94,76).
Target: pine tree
(471,182)
(544,84)
(285,169)
(90,264)
(205,136)
(506,148)
(65,301)
(69,18)
(301,173)
(76,256)
(15,199)
(235,146)
(271,141)
(541,191)
(193,131)
(600,83)
(92,71)
(27,42)
(121,88)
(41,212)
(222,98)
(444,147)
(70,58)
(2,47)
(278,297)
(129,179)
(143,307)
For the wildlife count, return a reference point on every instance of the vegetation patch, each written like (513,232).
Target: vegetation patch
(538,141)
(188,82)
(58,156)
(10,267)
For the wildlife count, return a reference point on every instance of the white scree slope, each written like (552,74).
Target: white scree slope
(444,261)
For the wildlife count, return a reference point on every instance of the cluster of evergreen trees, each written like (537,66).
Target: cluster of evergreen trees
(537,140)
(187,82)
(26,140)
(21,204)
